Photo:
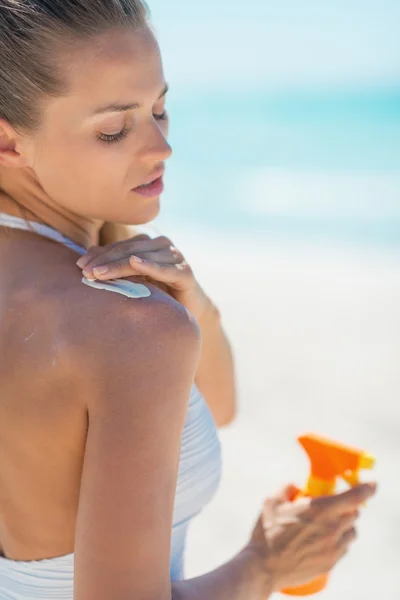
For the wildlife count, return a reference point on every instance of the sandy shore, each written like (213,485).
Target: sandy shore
(316,337)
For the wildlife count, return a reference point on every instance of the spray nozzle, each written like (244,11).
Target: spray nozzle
(330,460)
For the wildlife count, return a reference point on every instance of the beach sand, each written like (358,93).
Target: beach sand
(315,331)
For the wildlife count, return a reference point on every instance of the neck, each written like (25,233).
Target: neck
(21,195)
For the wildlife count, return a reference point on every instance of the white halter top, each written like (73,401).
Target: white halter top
(198,479)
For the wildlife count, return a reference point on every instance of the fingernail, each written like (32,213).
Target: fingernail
(100,271)
(136,259)
(80,262)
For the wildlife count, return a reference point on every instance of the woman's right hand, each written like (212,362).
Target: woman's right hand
(300,540)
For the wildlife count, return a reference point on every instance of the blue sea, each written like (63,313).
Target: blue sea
(304,164)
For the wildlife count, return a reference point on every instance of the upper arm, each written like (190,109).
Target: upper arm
(137,387)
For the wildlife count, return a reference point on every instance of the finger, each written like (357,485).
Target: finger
(169,256)
(145,244)
(288,493)
(349,536)
(285,494)
(137,237)
(141,237)
(271,504)
(345,501)
(164,241)
(352,515)
(334,529)
(161,257)
(110,253)
(148,244)
(95,251)
(330,549)
(175,275)
(90,255)
(114,270)
(152,250)
(171,274)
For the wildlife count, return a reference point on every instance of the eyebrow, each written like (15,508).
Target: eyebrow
(123,107)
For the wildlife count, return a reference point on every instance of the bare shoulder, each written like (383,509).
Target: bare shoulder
(50,292)
(110,334)
(75,332)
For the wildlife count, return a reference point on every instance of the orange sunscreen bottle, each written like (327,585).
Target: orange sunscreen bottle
(328,461)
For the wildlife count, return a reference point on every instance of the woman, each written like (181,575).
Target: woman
(107,446)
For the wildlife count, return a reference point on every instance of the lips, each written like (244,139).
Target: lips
(152,178)
(152,189)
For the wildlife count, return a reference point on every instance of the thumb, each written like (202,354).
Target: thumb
(271,504)
(287,494)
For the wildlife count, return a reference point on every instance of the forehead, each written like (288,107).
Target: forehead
(117,66)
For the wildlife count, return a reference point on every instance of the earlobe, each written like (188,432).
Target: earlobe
(11,158)
(10,140)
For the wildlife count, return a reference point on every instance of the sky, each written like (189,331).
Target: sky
(279,43)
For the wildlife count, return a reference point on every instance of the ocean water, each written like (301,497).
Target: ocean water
(309,164)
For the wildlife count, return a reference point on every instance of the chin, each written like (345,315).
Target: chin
(147,214)
(135,213)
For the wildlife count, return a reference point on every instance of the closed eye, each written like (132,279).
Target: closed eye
(117,137)
(161,117)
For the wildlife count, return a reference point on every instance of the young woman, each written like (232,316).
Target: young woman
(109,402)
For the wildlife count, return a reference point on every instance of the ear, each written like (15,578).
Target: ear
(11,146)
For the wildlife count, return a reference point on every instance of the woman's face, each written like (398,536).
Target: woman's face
(108,135)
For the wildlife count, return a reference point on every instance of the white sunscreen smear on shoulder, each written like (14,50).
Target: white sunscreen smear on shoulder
(120,286)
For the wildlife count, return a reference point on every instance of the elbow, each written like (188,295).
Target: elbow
(225,421)
(227,416)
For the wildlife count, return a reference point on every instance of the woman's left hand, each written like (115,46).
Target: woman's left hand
(156,259)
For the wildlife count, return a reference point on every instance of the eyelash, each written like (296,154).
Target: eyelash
(117,137)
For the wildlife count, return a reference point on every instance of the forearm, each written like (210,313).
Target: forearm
(242,578)
(215,375)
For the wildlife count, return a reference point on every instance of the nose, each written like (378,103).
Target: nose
(156,147)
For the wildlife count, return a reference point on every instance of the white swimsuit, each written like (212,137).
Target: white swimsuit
(198,479)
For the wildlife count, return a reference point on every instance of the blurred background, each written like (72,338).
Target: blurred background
(284,194)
